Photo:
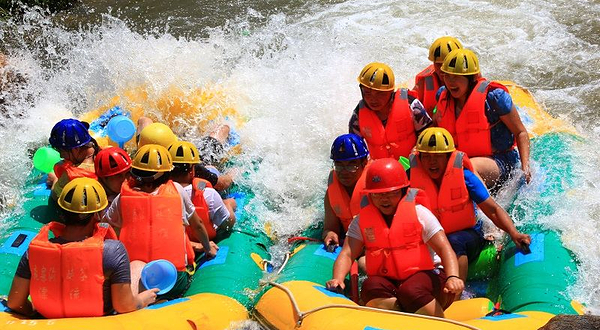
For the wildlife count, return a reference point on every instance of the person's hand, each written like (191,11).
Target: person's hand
(526,173)
(213,250)
(331,238)
(197,247)
(521,240)
(454,285)
(147,297)
(51,179)
(335,285)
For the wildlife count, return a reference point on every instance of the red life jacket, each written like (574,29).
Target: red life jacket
(67,279)
(397,138)
(344,207)
(198,186)
(65,172)
(427,84)
(471,130)
(398,251)
(451,203)
(152,227)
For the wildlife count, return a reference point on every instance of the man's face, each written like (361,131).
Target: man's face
(348,171)
(376,100)
(387,202)
(434,164)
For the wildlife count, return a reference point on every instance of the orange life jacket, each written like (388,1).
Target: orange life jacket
(398,137)
(398,251)
(152,227)
(471,130)
(198,186)
(65,172)
(67,279)
(451,203)
(427,84)
(344,207)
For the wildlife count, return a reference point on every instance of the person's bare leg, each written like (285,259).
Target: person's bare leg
(433,308)
(136,267)
(486,169)
(141,123)
(463,270)
(383,303)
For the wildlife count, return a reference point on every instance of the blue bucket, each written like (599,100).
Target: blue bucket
(160,274)
(120,129)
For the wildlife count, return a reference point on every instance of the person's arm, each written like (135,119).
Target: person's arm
(200,232)
(514,124)
(224,181)
(123,300)
(17,297)
(331,225)
(231,206)
(351,250)
(503,221)
(440,245)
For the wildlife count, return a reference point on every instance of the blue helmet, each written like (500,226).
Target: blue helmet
(69,134)
(348,147)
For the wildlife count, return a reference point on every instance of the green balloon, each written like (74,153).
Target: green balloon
(45,158)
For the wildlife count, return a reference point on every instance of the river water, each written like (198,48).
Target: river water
(289,69)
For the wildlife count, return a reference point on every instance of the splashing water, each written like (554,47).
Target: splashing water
(290,74)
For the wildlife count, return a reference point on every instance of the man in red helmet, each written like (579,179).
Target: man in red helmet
(402,241)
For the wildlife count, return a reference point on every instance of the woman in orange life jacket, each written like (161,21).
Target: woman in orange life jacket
(112,167)
(482,119)
(60,280)
(345,186)
(398,236)
(70,137)
(151,207)
(446,175)
(429,81)
(218,215)
(388,120)
(211,145)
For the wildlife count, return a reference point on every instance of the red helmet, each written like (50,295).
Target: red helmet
(385,174)
(111,161)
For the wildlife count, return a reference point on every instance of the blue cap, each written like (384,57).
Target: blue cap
(348,147)
(160,274)
(69,134)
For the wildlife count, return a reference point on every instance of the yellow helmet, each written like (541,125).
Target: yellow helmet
(152,158)
(184,152)
(157,133)
(83,195)
(377,76)
(441,47)
(461,62)
(435,140)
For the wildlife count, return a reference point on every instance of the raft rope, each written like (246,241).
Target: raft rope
(303,315)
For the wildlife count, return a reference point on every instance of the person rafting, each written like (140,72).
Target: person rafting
(398,235)
(152,212)
(212,146)
(70,137)
(429,81)
(83,271)
(446,175)
(345,186)
(387,119)
(482,119)
(112,167)
(218,215)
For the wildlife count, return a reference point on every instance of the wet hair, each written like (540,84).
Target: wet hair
(142,177)
(181,168)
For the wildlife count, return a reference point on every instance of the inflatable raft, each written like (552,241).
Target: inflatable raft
(516,290)
(221,291)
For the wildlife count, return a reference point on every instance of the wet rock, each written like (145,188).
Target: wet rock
(568,322)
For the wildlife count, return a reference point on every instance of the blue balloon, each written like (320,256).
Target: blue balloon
(160,274)
(120,129)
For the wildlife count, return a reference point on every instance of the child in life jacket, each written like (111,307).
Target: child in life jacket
(112,167)
(389,120)
(216,213)
(56,276)
(70,137)
(152,212)
(399,236)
